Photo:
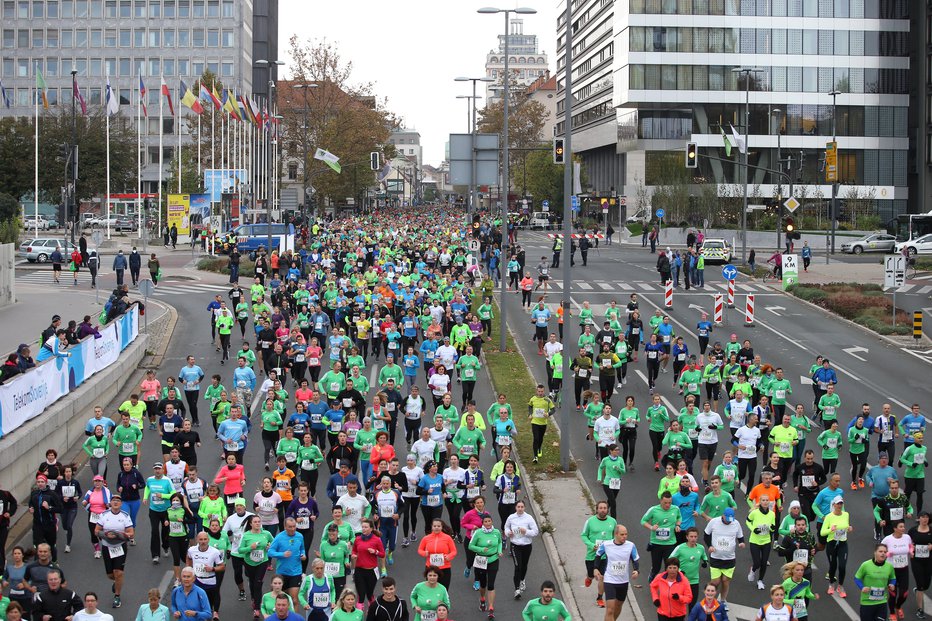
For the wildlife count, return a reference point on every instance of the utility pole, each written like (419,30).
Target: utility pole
(566,424)
(74,158)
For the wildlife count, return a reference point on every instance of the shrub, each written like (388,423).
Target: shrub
(809,294)
(850,305)
(247,268)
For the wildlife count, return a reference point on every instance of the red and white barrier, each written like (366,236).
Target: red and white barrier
(718,315)
(668,294)
(749,311)
(731,294)
(577,235)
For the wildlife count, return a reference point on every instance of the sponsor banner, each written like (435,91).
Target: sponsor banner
(28,395)
(179,212)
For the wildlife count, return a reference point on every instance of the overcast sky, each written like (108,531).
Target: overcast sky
(412,50)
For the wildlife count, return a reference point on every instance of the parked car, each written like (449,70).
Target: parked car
(642,215)
(920,245)
(539,220)
(39,250)
(876,242)
(53,222)
(101,222)
(31,223)
(125,224)
(716,251)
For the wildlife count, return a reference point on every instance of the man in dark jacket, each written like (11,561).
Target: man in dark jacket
(584,250)
(55,602)
(82,248)
(52,329)
(119,267)
(45,505)
(7,511)
(135,264)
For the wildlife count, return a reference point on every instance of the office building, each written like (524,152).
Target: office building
(919,173)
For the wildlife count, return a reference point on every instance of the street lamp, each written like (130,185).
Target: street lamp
(747,71)
(834,214)
(268,158)
(776,112)
(304,88)
(473,207)
(505,172)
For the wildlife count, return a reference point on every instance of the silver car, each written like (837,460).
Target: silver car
(876,242)
(39,250)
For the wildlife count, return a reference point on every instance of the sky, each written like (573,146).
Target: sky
(413,49)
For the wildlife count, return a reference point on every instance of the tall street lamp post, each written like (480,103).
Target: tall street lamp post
(268,155)
(304,197)
(505,172)
(747,71)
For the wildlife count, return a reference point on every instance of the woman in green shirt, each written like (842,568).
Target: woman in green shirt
(365,440)
(346,608)
(592,411)
(858,445)
(272,424)
(288,448)
(97,447)
(486,542)
(657,417)
(254,546)
(268,599)
(427,595)
(335,553)
(310,458)
(581,366)
(677,442)
(176,520)
(803,427)
(485,314)
(830,441)
(609,474)
(629,418)
(798,589)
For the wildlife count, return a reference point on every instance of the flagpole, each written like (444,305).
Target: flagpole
(139,201)
(198,145)
(107,195)
(179,147)
(161,156)
(35,198)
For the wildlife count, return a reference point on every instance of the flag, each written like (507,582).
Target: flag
(739,141)
(229,104)
(142,96)
(328,158)
(206,95)
(3,95)
(41,88)
(254,113)
(113,102)
(188,99)
(76,93)
(167,94)
(727,143)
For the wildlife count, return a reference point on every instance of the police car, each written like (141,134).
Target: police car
(716,250)
(251,237)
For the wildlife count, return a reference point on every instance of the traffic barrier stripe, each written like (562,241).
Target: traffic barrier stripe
(577,235)
(749,310)
(719,312)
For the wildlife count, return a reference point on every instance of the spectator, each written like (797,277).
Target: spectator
(9,368)
(85,328)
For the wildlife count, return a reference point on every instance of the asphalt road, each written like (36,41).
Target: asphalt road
(787,334)
(192,336)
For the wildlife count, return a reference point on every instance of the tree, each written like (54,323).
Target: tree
(191,181)
(544,178)
(344,118)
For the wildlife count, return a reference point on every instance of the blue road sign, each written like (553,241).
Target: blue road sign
(661,213)
(545,203)
(574,201)
(729,272)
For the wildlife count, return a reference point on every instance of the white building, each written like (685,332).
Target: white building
(525,62)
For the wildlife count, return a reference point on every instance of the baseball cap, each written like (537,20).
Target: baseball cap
(97,477)
(837,500)
(158,464)
(239,501)
(729,513)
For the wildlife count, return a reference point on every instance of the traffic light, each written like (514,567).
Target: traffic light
(64,152)
(788,226)
(558,153)
(374,160)
(692,155)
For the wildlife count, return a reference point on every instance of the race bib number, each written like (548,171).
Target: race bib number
(434,500)
(200,570)
(886,435)
(706,436)
(303,523)
(257,555)
(584,373)
(692,387)
(331,569)
(919,459)
(291,457)
(390,406)
(428,615)
(785,447)
(467,449)
(663,533)
(503,440)
(386,511)
(801,556)
(231,446)
(334,387)
(176,528)
(99,453)
(614,483)
(341,490)
(539,413)
(313,362)
(93,518)
(67,491)
(481,562)
(437,560)
(283,484)
(335,426)
(618,569)
(347,402)
(115,551)
(728,476)
(877,594)
(899,561)
(808,480)
(308,464)
(896,513)
(799,607)
(831,443)
(299,358)
(469,374)
(168,427)
(231,498)
(922,550)
(779,394)
(841,535)
(724,544)
(472,492)
(321,600)
(508,498)
(128,447)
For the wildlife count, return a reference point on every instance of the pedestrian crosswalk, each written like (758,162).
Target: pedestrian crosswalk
(166,288)
(604,286)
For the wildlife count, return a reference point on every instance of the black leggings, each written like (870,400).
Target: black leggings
(179,549)
(365,581)
(454,510)
(409,515)
(760,552)
(918,486)
(629,440)
(656,440)
(611,497)
(653,370)
(658,555)
(538,432)
(521,555)
(902,590)
(191,396)
(837,553)
(505,510)
(486,577)
(412,429)
(525,298)
(430,514)
(468,388)
(829,465)
(606,386)
(255,575)
(747,465)
(858,465)
(579,387)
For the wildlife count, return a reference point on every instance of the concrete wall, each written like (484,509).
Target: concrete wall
(7,272)
(61,426)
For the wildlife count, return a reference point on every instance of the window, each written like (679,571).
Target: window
(22,11)
(292,172)
(111,8)
(96,67)
(184,8)
(38,39)
(228,8)
(139,38)
(184,38)
(67,65)
(213,38)
(155,38)
(226,70)
(139,9)
(9,39)
(169,9)
(168,38)
(197,68)
(52,9)
(38,9)
(67,9)
(80,65)
(183,66)
(168,67)
(7,70)
(97,37)
(155,8)
(198,8)
(110,38)
(80,8)
(22,67)
(9,9)
(22,41)
(810,41)
(126,68)
(126,37)
(213,8)
(155,67)
(198,40)
(213,67)
(67,38)
(52,95)
(51,39)
(227,38)
(126,9)
(110,66)
(97,9)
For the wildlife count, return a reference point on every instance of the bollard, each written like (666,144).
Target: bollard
(668,294)
(731,294)
(718,315)
(917,325)
(749,311)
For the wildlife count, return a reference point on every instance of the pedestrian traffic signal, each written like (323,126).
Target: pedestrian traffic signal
(558,153)
(692,155)
(374,160)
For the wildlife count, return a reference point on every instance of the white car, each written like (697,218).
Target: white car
(101,222)
(920,245)
(30,222)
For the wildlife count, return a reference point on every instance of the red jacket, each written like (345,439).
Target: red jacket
(364,558)
(662,594)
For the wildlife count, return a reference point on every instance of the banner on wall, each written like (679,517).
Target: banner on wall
(219,181)
(179,212)
(28,395)
(198,208)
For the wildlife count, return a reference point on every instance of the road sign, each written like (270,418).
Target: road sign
(790,270)
(574,201)
(791,204)
(473,245)
(661,213)
(831,162)
(622,200)
(545,205)
(146,287)
(729,272)
(894,271)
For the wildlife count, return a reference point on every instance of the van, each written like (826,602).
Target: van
(539,220)
(250,237)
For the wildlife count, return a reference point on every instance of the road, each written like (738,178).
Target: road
(192,336)
(787,333)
